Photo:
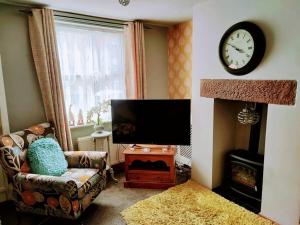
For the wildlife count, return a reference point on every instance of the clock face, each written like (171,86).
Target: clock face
(238,49)
(242,48)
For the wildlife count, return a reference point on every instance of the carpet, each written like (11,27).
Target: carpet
(189,204)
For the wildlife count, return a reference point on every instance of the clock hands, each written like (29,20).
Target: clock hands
(236,48)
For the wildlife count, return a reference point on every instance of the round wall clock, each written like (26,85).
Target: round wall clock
(242,48)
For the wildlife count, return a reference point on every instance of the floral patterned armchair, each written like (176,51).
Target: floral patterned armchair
(64,196)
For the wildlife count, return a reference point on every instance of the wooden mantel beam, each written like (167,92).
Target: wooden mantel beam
(282,92)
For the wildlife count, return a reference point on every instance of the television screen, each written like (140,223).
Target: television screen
(161,122)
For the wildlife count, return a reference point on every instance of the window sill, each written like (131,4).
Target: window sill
(87,125)
(81,126)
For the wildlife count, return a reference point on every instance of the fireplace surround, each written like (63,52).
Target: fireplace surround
(269,92)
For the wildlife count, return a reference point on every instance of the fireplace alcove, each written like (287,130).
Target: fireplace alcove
(237,154)
(230,97)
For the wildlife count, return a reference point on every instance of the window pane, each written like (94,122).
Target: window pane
(92,66)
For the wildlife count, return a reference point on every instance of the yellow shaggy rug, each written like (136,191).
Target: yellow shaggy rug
(190,204)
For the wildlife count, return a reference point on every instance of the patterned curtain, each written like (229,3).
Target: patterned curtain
(45,55)
(135,68)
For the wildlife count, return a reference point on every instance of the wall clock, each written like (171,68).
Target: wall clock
(242,48)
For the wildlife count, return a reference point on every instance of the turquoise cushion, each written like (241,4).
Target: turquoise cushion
(46,157)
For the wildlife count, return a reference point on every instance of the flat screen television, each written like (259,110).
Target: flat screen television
(159,122)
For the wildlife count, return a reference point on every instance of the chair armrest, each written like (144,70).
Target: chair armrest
(86,159)
(45,184)
(9,161)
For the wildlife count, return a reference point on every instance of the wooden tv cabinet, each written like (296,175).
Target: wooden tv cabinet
(154,169)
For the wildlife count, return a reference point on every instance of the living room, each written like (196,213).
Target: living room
(63,62)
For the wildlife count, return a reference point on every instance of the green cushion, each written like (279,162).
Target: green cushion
(46,157)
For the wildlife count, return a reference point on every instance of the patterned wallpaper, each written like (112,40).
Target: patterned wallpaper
(180,60)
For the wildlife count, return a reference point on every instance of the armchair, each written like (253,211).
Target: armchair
(65,196)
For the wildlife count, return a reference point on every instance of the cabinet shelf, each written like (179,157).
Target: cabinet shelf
(153,170)
(158,165)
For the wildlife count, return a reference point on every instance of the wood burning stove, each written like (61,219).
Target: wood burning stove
(244,173)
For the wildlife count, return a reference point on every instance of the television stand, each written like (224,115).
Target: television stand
(147,148)
(154,169)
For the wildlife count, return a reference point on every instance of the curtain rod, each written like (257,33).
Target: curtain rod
(92,19)
(89,21)
(72,15)
(77,16)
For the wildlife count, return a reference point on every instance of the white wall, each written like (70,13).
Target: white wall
(280,22)
(156,48)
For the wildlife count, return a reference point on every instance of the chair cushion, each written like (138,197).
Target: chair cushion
(80,176)
(46,157)
(84,178)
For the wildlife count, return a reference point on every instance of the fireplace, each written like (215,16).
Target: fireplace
(243,164)
(237,163)
(244,168)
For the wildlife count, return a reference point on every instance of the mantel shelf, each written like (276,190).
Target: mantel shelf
(282,92)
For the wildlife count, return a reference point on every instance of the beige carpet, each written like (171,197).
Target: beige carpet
(189,204)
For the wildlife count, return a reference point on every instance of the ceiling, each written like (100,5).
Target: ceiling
(156,11)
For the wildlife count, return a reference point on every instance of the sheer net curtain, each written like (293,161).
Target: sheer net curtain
(92,66)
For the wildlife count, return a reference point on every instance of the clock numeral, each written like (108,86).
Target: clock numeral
(231,61)
(248,55)
(250,48)
(236,63)
(231,38)
(248,40)
(244,35)
(244,61)
(238,35)
(227,56)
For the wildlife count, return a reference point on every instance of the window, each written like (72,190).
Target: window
(92,67)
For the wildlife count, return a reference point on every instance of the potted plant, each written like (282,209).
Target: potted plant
(98,112)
